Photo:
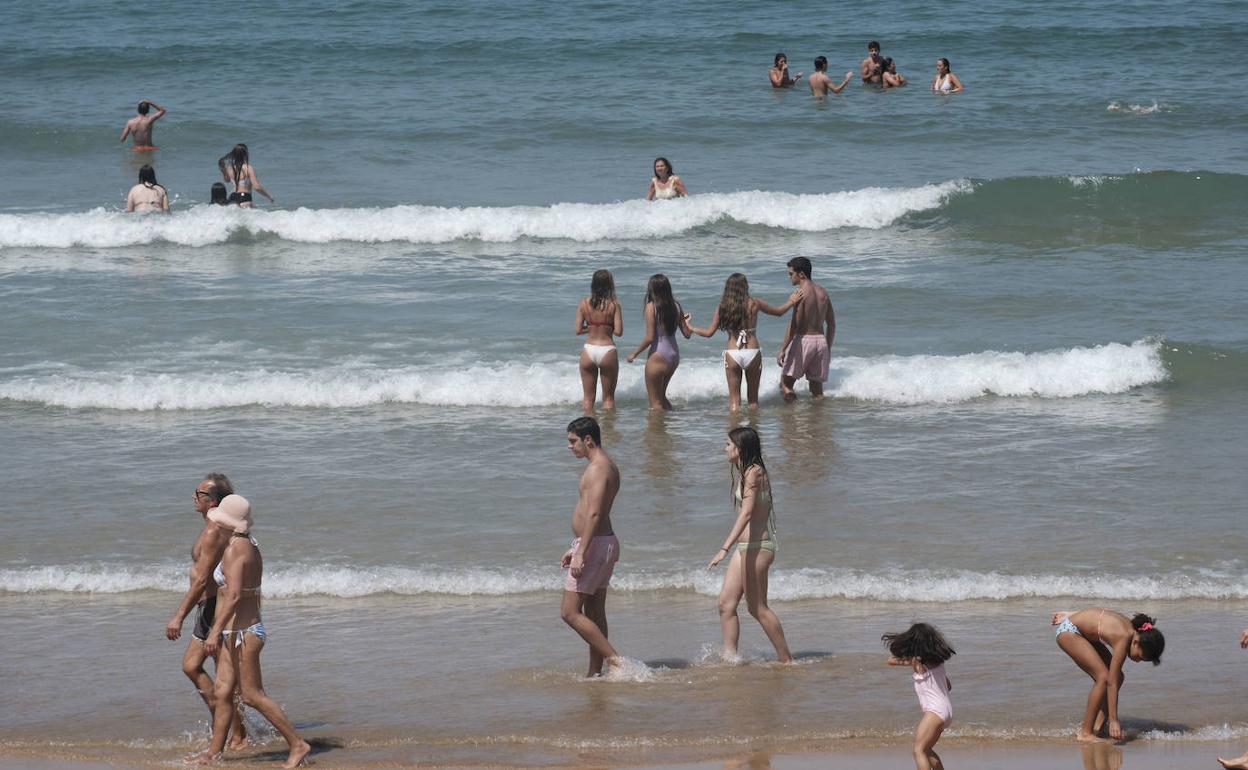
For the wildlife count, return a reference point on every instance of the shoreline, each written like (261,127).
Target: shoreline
(962,753)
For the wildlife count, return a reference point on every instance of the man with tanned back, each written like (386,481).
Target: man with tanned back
(140,126)
(821,84)
(806,350)
(595,550)
(202,596)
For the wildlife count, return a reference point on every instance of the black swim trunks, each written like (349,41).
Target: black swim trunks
(237,197)
(205,614)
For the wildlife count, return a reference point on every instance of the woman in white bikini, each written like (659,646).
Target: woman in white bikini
(945,82)
(239,634)
(237,170)
(147,195)
(599,316)
(665,185)
(737,315)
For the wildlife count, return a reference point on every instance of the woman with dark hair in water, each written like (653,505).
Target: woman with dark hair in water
(945,82)
(751,545)
(889,76)
(237,170)
(147,195)
(664,316)
(665,184)
(219,196)
(779,73)
(599,316)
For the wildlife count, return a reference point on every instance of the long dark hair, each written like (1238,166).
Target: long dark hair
(1152,643)
(734,303)
(919,641)
(147,176)
(666,310)
(237,157)
(750,453)
(601,289)
(667,164)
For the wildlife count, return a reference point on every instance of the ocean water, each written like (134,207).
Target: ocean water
(1035,403)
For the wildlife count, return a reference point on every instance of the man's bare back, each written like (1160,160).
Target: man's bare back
(821,84)
(810,314)
(140,126)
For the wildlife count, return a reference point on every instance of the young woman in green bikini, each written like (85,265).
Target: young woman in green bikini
(751,544)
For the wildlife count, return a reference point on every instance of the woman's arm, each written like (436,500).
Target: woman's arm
(776,76)
(255,184)
(680,187)
(164,201)
(581,326)
(682,321)
(130,201)
(743,518)
(649,314)
(710,329)
(957,84)
(227,602)
(618,330)
(1111,692)
(793,299)
(650,191)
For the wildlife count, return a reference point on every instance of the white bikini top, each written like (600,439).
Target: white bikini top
(943,84)
(665,191)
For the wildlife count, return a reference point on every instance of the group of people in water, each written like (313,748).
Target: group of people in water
(877,71)
(149,195)
(805,351)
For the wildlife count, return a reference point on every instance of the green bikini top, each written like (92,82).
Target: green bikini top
(764,498)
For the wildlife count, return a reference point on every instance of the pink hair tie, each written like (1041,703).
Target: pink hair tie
(1146,627)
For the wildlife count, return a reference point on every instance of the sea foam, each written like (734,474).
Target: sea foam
(872,207)
(902,380)
(894,585)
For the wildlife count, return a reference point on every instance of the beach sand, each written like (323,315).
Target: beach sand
(962,755)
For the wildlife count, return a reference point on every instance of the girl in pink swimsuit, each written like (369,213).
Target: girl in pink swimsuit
(924,650)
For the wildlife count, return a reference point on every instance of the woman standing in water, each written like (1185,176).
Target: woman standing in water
(664,316)
(147,195)
(237,170)
(665,185)
(599,316)
(945,82)
(751,545)
(238,620)
(737,315)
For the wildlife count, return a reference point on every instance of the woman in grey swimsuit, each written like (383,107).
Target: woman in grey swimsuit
(664,316)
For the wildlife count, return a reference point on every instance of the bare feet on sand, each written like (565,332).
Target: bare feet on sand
(1083,737)
(237,743)
(206,758)
(298,753)
(1240,763)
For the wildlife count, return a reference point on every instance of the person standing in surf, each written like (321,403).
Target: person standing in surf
(595,549)
(599,316)
(737,315)
(236,169)
(664,316)
(779,73)
(665,185)
(751,545)
(202,598)
(140,126)
(148,194)
(806,350)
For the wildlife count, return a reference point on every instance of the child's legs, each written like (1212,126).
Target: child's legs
(1086,656)
(925,737)
(729,597)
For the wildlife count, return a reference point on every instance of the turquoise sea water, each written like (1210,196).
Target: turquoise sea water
(1036,386)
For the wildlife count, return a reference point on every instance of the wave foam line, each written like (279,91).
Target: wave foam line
(786,585)
(871,207)
(902,380)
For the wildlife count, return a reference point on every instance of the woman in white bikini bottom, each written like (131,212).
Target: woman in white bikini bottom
(599,317)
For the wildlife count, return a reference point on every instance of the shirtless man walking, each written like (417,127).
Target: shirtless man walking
(595,550)
(202,596)
(806,350)
(821,84)
(140,126)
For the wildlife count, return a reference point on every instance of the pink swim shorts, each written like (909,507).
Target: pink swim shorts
(808,357)
(600,559)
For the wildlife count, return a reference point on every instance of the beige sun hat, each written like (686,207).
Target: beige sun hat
(233,512)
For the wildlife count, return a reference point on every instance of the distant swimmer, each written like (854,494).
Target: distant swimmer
(779,73)
(806,350)
(821,84)
(201,598)
(945,82)
(664,316)
(237,170)
(871,69)
(147,195)
(599,316)
(750,547)
(889,77)
(595,549)
(140,126)
(737,315)
(665,184)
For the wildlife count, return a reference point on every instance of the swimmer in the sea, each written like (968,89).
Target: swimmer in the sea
(890,77)
(871,69)
(147,195)
(140,126)
(236,169)
(945,82)
(779,74)
(821,84)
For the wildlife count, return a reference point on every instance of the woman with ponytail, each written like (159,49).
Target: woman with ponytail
(1099,641)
